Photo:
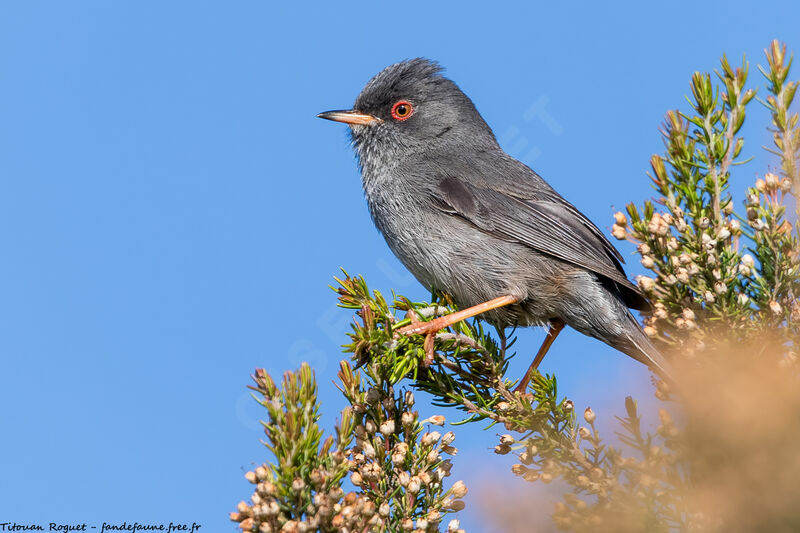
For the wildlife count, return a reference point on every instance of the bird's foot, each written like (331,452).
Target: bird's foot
(417,326)
(428,361)
(429,329)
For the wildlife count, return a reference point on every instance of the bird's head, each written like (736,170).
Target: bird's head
(409,107)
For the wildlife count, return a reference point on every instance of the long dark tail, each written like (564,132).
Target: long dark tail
(635,343)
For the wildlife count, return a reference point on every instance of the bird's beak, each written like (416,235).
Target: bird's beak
(350,117)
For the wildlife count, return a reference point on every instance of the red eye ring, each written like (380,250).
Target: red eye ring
(402,110)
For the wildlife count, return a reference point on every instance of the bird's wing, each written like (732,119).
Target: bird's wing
(546,223)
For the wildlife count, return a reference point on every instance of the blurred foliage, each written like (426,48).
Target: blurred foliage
(724,289)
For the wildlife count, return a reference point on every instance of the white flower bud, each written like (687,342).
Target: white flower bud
(388,403)
(436,420)
(620,218)
(413,485)
(409,399)
(775,307)
(654,223)
(728,208)
(618,232)
(771,180)
(645,283)
(742,299)
(387,428)
(748,260)
(453,526)
(588,415)
(448,438)
(507,439)
(429,439)
(368,450)
(458,490)
(584,432)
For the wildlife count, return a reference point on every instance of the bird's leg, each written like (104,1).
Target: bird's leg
(556,325)
(423,328)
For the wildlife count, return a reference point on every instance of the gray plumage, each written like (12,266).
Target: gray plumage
(468,219)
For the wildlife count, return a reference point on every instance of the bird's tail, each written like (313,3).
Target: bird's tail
(635,343)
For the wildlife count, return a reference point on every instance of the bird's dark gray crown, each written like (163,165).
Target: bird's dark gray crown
(414,78)
(443,114)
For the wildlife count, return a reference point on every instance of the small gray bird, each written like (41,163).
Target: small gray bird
(471,221)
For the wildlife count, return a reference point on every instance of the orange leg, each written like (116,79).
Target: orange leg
(556,325)
(437,324)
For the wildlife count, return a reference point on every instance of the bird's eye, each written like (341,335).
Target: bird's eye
(402,110)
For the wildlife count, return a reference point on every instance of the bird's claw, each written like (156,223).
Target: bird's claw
(418,326)
(428,361)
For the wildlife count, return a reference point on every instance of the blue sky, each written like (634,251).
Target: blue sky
(172,212)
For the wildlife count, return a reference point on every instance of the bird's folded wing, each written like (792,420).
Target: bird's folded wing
(551,226)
